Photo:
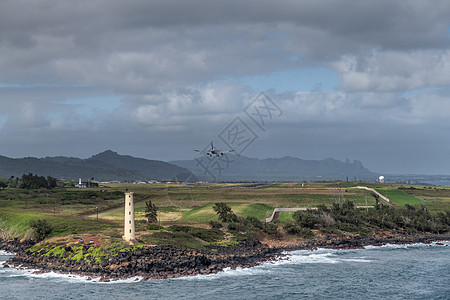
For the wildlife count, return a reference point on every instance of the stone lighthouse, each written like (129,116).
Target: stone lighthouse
(128,234)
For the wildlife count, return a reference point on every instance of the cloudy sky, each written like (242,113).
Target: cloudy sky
(364,80)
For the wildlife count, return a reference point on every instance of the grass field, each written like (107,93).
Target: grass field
(74,211)
(400,197)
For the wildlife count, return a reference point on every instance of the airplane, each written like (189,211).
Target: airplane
(215,152)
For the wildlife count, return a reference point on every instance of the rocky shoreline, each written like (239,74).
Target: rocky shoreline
(162,262)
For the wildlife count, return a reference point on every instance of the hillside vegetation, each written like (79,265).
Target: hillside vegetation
(97,213)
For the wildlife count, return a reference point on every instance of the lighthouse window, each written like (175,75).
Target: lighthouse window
(129,221)
(130,230)
(129,213)
(129,203)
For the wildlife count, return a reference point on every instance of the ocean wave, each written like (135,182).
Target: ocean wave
(78,278)
(362,260)
(6,253)
(309,258)
(35,274)
(406,246)
(229,272)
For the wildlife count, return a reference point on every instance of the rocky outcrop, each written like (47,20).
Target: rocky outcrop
(169,262)
(358,242)
(150,262)
(15,245)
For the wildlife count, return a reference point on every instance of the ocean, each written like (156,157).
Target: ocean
(415,271)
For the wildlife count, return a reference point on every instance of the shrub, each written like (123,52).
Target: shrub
(236,226)
(306,233)
(152,226)
(256,223)
(41,229)
(208,235)
(291,228)
(305,219)
(215,224)
(270,228)
(296,230)
(179,228)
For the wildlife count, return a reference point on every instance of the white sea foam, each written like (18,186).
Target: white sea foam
(362,260)
(440,244)
(229,272)
(405,246)
(309,258)
(396,246)
(35,274)
(5,253)
(77,278)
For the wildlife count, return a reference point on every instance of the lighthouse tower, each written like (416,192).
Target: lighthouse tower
(129,218)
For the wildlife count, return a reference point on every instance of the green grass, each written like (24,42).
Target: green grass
(177,239)
(18,220)
(399,197)
(437,199)
(285,216)
(206,213)
(71,211)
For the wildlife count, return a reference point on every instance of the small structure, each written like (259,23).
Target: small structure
(80,184)
(129,229)
(381,179)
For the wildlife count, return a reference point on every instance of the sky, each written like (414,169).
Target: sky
(359,80)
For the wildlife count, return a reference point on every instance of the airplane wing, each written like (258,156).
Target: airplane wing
(223,152)
(205,152)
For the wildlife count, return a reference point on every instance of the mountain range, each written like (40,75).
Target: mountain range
(105,166)
(109,166)
(240,168)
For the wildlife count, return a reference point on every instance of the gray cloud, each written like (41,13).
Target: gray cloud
(176,66)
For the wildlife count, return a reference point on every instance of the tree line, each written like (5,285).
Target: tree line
(341,218)
(346,217)
(29,181)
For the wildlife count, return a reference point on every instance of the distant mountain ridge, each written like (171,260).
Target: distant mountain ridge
(241,168)
(110,166)
(105,166)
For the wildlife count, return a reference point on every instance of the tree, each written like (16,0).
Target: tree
(225,213)
(30,181)
(41,229)
(151,212)
(51,182)
(305,219)
(3,183)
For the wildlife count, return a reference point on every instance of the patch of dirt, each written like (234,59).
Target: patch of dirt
(169,216)
(74,239)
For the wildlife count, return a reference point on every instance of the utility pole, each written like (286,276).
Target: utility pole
(367,208)
(97,211)
(339,195)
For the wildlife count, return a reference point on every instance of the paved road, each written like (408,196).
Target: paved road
(276,212)
(374,191)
